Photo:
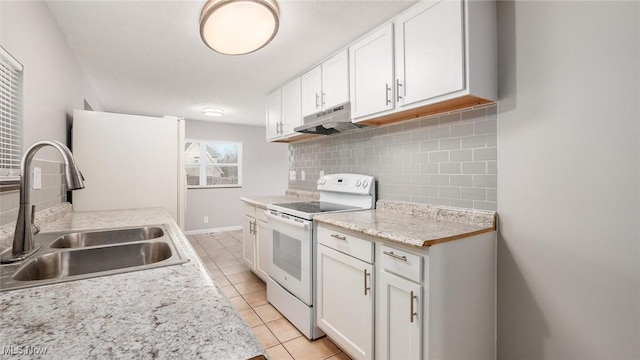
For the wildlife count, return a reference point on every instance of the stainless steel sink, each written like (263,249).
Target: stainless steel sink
(81,255)
(93,238)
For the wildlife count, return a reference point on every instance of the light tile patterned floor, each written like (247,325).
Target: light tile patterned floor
(221,253)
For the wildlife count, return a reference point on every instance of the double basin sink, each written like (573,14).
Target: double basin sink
(79,255)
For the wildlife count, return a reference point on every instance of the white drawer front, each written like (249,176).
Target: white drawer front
(348,244)
(249,210)
(260,214)
(401,263)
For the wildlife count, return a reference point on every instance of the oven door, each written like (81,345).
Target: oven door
(291,254)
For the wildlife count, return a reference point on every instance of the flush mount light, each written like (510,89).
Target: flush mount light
(212,111)
(236,27)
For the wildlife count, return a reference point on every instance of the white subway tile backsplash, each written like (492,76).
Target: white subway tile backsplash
(485,127)
(449,159)
(439,133)
(461,180)
(485,154)
(479,167)
(473,194)
(485,181)
(441,180)
(450,144)
(439,156)
(449,168)
(461,155)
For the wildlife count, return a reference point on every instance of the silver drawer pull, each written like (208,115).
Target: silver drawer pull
(339,237)
(390,253)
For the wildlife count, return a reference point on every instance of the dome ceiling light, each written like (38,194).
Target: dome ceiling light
(237,27)
(211,111)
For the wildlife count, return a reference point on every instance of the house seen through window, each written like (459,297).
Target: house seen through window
(213,163)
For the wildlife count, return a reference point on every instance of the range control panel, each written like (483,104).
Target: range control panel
(347,183)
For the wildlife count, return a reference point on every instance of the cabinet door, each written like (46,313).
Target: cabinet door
(429,51)
(274,114)
(371,73)
(263,238)
(311,91)
(335,80)
(248,241)
(291,112)
(345,301)
(399,318)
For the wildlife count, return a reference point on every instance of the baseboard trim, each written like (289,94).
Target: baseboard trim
(213,230)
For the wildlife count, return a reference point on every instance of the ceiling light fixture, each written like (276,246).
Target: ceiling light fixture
(237,27)
(212,111)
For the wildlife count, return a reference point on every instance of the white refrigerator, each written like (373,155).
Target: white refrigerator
(129,162)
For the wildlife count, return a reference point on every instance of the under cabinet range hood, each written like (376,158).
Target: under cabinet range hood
(331,121)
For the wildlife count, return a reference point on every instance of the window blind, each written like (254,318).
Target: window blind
(10,116)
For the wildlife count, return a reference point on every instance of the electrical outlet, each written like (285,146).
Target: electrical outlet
(205,219)
(37,178)
(292,175)
(321,173)
(302,175)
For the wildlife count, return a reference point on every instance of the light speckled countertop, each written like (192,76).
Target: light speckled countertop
(417,225)
(168,312)
(290,196)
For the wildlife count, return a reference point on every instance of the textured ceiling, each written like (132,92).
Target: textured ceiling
(146,57)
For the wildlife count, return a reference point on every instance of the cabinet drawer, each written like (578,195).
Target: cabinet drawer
(249,210)
(401,263)
(348,244)
(260,214)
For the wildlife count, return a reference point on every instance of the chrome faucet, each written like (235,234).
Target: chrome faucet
(23,245)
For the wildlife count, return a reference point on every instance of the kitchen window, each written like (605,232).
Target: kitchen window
(213,163)
(10,117)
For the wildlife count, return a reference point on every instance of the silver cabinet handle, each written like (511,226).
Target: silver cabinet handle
(387,89)
(412,313)
(317,98)
(398,97)
(366,288)
(323,95)
(336,236)
(399,257)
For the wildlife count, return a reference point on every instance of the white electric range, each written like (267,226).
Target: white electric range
(291,284)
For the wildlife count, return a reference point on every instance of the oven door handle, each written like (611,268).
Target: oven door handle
(303,225)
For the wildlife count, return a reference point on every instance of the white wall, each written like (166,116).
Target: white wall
(264,173)
(54,82)
(54,85)
(568,193)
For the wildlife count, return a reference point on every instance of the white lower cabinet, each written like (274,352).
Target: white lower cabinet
(248,240)
(345,301)
(255,239)
(431,303)
(263,239)
(399,318)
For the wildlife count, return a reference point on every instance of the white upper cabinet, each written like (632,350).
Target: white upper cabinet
(311,91)
(335,80)
(274,114)
(291,111)
(445,59)
(371,73)
(429,51)
(326,85)
(437,56)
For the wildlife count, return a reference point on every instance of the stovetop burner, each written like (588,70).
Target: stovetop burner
(315,207)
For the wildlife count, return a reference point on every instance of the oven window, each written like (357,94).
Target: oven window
(287,254)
